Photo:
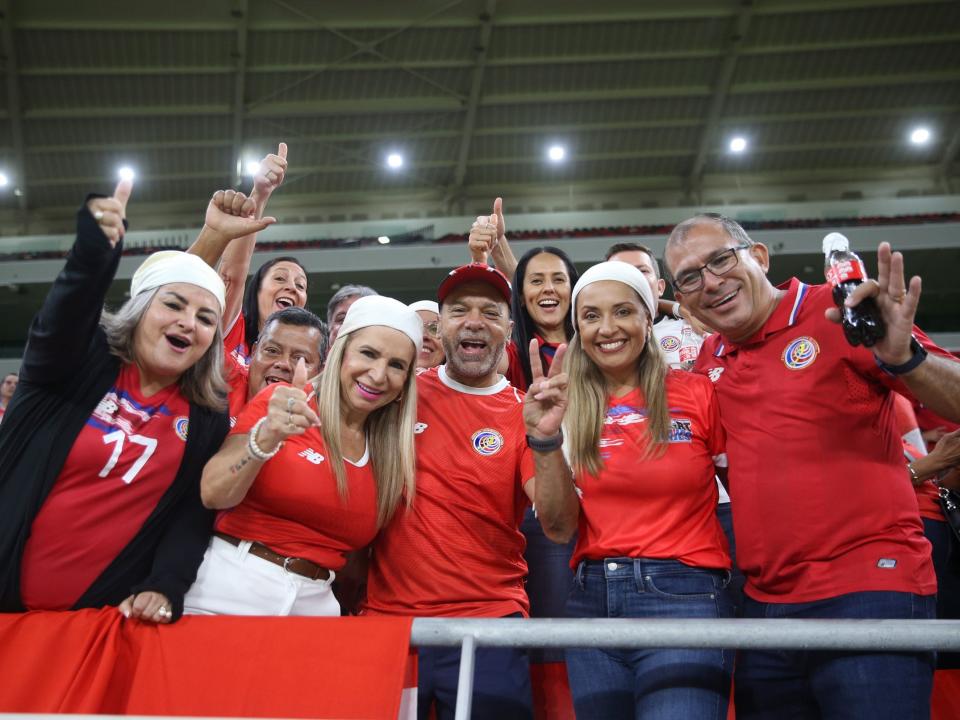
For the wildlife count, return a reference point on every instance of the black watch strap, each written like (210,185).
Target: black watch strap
(918,356)
(546,444)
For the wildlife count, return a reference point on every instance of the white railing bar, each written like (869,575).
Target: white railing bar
(465,680)
(881,635)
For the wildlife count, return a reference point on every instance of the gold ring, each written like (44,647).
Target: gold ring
(900,298)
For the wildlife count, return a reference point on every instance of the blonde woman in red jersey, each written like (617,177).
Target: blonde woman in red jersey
(306,479)
(644,442)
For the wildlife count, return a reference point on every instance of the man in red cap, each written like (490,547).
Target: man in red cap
(458,551)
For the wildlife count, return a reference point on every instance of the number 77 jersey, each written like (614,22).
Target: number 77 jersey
(121,463)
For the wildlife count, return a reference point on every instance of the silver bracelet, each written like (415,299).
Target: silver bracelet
(252,442)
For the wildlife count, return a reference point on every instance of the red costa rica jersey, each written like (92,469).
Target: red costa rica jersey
(234,341)
(822,501)
(122,462)
(664,506)
(294,507)
(238,380)
(458,551)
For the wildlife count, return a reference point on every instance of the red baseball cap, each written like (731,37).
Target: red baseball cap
(474,272)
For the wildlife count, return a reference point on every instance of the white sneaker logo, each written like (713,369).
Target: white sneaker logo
(419,428)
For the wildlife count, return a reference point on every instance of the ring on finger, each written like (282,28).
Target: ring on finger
(98,215)
(164,611)
(290,403)
(900,298)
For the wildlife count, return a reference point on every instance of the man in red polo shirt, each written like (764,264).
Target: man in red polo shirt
(826,519)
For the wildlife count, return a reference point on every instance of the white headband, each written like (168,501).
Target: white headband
(425,305)
(619,272)
(385,311)
(174,266)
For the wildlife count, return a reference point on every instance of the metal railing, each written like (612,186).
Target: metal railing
(868,635)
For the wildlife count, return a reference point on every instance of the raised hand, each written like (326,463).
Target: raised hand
(497,218)
(288,412)
(483,238)
(233,215)
(897,303)
(110,212)
(270,174)
(147,606)
(546,399)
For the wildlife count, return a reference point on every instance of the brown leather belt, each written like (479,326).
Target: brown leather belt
(299,566)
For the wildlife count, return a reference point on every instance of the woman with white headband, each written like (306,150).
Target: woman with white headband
(312,471)
(102,450)
(644,443)
(431,354)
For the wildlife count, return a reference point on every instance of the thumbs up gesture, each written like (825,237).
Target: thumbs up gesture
(288,412)
(110,212)
(233,215)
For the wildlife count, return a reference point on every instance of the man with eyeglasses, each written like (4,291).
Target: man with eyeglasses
(825,515)
(432,353)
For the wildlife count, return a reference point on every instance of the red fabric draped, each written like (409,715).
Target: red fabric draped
(94,661)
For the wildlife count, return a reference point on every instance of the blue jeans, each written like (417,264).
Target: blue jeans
(737,580)
(652,684)
(817,684)
(548,579)
(501,683)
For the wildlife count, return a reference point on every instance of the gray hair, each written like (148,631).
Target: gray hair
(730,227)
(347,291)
(202,384)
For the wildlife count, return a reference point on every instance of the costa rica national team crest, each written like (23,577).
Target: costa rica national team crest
(800,353)
(669,343)
(487,441)
(180,425)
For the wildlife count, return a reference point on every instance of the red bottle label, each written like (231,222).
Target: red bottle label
(844,271)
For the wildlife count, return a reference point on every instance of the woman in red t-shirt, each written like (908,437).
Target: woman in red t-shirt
(644,443)
(307,477)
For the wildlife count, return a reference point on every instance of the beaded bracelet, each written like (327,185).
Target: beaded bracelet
(252,442)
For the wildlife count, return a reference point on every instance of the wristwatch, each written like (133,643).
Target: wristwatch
(919,354)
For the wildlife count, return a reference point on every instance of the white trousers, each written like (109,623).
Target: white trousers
(231,581)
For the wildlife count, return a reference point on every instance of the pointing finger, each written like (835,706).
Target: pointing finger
(122,194)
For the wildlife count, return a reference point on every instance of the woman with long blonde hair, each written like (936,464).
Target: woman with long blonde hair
(644,443)
(312,471)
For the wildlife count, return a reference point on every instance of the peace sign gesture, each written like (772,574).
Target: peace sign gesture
(546,399)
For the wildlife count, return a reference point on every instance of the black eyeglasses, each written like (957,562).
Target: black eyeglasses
(692,280)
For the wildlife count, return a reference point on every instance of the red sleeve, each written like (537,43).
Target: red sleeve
(906,417)
(716,438)
(867,362)
(255,409)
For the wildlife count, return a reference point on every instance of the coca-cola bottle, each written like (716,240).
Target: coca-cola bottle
(862,324)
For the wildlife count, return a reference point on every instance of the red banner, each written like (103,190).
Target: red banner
(94,661)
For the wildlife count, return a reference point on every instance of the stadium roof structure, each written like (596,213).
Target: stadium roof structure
(644,97)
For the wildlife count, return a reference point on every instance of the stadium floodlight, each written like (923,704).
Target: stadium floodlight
(738,144)
(383,240)
(126,173)
(394,160)
(920,136)
(4,180)
(557,153)
(251,167)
